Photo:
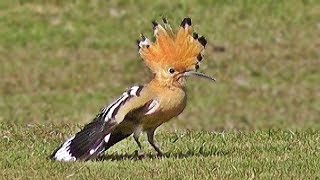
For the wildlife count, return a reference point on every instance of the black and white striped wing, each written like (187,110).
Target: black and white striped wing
(87,143)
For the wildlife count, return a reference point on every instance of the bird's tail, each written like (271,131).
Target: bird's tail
(86,144)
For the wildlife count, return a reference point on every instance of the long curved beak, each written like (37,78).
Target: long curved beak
(200,75)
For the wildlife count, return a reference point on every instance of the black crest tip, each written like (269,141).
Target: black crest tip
(202,40)
(143,38)
(195,35)
(165,20)
(155,24)
(199,57)
(186,21)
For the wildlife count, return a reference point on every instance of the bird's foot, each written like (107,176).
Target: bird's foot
(160,154)
(139,154)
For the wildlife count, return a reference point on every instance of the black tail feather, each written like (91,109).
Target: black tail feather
(86,144)
(88,138)
(114,139)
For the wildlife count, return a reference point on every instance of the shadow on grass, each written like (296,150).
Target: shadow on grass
(177,155)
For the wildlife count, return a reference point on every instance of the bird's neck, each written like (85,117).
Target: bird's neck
(172,98)
(167,83)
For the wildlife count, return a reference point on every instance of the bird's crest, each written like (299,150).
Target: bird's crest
(180,50)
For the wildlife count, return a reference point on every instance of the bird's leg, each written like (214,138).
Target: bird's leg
(153,143)
(139,153)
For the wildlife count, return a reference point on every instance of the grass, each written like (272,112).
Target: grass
(278,154)
(61,61)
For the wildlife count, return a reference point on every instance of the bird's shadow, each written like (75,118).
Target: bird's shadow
(177,155)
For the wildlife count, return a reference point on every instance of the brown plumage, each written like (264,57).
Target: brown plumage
(171,58)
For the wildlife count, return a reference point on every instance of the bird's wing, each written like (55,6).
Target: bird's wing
(87,143)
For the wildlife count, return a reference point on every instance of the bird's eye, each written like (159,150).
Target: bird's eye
(171,70)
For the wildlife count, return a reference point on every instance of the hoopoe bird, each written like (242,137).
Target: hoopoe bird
(171,58)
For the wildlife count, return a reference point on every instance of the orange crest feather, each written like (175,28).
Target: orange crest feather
(179,51)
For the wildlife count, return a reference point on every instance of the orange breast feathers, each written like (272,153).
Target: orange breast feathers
(171,102)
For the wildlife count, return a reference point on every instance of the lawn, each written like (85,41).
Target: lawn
(61,61)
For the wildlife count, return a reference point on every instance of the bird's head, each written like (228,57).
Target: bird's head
(173,56)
